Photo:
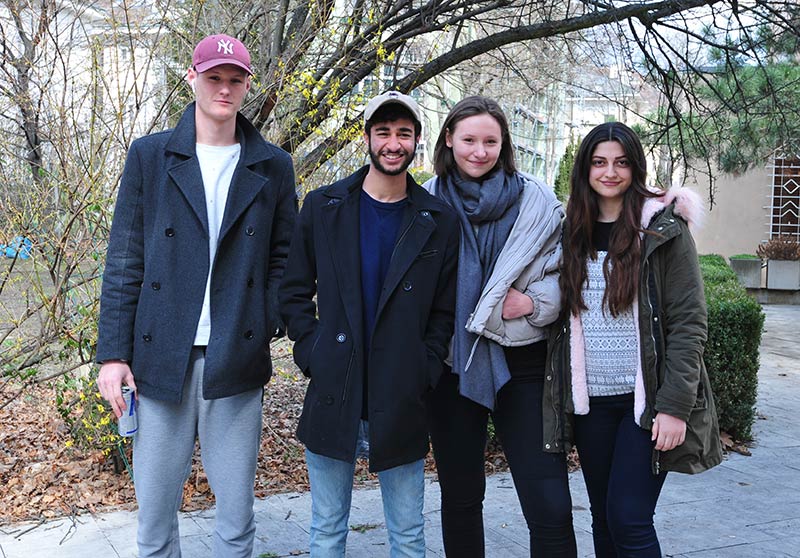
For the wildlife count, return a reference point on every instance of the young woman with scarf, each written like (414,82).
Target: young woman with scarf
(507,293)
(628,359)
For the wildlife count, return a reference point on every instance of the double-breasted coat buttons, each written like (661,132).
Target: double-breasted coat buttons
(341,338)
(249,231)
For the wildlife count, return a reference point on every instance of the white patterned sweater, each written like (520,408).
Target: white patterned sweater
(611,342)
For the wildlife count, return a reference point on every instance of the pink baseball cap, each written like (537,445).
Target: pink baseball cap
(216,50)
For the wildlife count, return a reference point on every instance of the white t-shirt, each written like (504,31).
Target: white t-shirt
(217,164)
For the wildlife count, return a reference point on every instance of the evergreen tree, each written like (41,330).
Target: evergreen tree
(565,171)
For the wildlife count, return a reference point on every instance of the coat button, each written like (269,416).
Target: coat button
(407,286)
(248,334)
(250,282)
(156,285)
(547,446)
(655,319)
(147,338)
(549,378)
(341,338)
(249,231)
(170,232)
(329,400)
(425,213)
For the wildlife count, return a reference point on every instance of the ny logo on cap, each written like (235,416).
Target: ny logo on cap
(225,46)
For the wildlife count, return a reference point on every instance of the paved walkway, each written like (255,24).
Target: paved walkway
(747,507)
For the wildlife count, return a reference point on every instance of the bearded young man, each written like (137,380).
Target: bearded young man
(380,254)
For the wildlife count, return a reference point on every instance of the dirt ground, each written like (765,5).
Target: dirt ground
(41,477)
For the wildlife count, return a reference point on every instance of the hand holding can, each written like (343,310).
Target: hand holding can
(128,423)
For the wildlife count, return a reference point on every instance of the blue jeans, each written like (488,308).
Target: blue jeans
(402,491)
(615,457)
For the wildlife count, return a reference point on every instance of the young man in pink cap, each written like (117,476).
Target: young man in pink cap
(199,241)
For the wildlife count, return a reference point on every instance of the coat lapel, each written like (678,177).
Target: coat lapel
(244,188)
(187,177)
(417,227)
(340,221)
(186,174)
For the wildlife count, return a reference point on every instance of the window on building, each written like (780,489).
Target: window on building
(785,197)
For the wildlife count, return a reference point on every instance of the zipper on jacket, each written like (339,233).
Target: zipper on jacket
(347,375)
(553,381)
(656,462)
(650,328)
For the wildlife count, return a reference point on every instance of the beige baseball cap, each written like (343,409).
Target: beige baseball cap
(392,97)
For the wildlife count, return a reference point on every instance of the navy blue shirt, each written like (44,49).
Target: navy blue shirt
(379,227)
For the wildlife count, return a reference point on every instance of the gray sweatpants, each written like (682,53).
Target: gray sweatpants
(229,431)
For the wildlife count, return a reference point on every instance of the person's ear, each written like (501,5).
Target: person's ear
(448,139)
(191,76)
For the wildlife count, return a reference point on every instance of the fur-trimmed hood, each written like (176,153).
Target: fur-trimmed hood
(688,205)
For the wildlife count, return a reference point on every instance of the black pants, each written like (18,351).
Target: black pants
(458,432)
(616,460)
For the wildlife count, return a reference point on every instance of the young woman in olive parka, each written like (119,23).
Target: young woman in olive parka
(627,363)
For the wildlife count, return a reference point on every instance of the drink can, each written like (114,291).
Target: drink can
(128,424)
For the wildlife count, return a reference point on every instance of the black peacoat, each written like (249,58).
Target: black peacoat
(158,262)
(413,325)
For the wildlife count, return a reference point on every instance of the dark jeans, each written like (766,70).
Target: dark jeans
(616,460)
(458,432)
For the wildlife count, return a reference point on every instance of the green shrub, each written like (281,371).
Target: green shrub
(735,322)
(744,257)
(716,270)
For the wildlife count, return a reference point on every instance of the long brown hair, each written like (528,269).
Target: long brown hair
(621,267)
(443,161)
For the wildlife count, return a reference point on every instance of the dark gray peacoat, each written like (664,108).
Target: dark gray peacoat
(412,330)
(158,262)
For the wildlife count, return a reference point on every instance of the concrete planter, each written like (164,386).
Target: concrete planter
(748,272)
(783,275)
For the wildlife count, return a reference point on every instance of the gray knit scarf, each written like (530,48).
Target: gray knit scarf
(487,211)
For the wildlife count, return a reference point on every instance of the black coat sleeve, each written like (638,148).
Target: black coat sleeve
(124,270)
(282,228)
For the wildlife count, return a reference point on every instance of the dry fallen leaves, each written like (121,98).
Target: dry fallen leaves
(41,477)
(729,444)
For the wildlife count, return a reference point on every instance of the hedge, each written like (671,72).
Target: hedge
(735,323)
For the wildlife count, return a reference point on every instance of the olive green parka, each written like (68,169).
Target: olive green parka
(671,312)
